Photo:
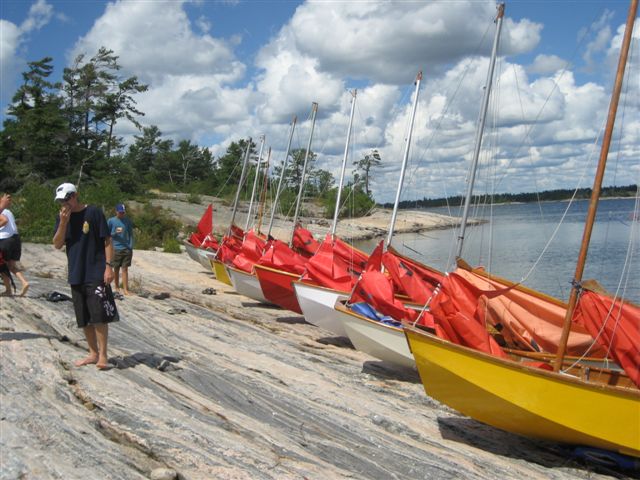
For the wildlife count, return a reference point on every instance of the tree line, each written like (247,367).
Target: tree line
(545,196)
(65,131)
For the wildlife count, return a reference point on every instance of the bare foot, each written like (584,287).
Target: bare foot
(88,360)
(25,287)
(5,294)
(127,292)
(103,365)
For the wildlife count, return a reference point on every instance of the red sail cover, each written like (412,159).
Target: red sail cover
(304,243)
(376,289)
(203,237)
(411,278)
(281,257)
(454,315)
(327,269)
(251,251)
(231,245)
(615,324)
(526,320)
(335,265)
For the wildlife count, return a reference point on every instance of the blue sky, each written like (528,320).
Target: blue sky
(219,71)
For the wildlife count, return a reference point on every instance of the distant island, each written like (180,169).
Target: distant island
(546,196)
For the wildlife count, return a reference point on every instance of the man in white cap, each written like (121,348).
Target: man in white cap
(83,230)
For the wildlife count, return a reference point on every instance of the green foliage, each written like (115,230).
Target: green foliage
(153,226)
(171,245)
(355,202)
(35,212)
(194,198)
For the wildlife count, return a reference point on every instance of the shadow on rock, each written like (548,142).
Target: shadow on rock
(496,441)
(164,363)
(6,336)
(390,371)
(342,342)
(267,306)
(292,320)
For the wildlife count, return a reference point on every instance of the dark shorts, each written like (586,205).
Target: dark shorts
(122,258)
(11,248)
(93,303)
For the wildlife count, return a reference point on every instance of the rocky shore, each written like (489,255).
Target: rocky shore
(350,229)
(218,387)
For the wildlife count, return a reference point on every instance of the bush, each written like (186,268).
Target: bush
(171,245)
(355,203)
(153,226)
(194,198)
(35,212)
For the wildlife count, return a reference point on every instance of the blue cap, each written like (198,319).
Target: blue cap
(120,208)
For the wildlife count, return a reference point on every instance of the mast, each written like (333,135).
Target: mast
(314,111)
(344,165)
(284,167)
(244,171)
(480,130)
(597,185)
(263,192)
(255,182)
(404,161)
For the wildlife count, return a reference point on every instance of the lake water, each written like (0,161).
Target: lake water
(512,245)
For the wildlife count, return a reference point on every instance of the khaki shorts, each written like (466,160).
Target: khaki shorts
(122,258)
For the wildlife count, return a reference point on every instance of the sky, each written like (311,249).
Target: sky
(219,71)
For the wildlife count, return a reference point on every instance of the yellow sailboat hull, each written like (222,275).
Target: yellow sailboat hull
(221,273)
(527,400)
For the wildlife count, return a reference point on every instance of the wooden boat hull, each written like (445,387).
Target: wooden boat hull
(246,284)
(220,272)
(385,342)
(526,400)
(277,287)
(317,305)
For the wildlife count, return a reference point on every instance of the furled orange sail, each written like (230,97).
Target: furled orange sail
(615,324)
(303,242)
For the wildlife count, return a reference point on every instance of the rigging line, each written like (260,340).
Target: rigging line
(566,210)
(555,87)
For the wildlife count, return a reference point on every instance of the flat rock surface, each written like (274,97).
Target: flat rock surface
(219,387)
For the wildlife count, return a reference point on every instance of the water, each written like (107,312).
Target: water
(512,245)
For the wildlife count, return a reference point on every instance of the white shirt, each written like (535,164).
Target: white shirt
(10,228)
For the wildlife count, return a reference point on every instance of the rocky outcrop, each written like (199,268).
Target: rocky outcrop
(218,387)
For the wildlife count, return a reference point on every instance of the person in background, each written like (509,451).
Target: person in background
(10,244)
(121,230)
(83,230)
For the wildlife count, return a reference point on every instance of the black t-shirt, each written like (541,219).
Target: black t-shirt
(86,232)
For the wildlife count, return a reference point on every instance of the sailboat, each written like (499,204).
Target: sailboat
(243,271)
(573,404)
(232,241)
(318,302)
(276,275)
(201,246)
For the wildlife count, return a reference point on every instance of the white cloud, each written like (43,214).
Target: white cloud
(12,37)
(383,41)
(545,64)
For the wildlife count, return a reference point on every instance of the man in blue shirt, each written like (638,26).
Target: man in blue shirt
(121,230)
(82,229)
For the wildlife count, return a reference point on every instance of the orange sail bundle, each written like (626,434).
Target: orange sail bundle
(615,324)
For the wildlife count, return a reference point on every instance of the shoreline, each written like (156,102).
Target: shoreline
(371,226)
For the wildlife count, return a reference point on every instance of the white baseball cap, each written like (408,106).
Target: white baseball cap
(63,191)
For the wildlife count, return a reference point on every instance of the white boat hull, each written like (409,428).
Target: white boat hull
(385,342)
(246,284)
(317,305)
